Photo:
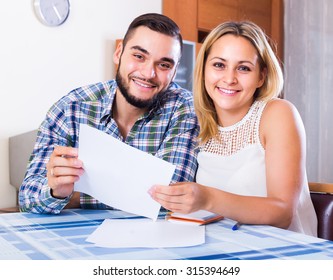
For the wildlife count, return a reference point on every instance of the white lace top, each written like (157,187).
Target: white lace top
(235,162)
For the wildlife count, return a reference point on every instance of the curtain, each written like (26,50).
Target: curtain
(308,69)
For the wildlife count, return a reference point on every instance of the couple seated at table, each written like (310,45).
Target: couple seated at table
(247,160)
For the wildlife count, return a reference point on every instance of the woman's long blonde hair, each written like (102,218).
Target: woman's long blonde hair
(268,62)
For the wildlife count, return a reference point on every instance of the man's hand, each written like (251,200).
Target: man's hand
(63,170)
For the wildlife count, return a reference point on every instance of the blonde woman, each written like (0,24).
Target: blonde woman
(252,143)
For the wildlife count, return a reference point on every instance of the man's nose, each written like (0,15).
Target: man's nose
(148,70)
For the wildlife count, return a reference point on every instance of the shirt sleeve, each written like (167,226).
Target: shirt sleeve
(34,194)
(179,146)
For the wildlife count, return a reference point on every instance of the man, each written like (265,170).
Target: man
(142,107)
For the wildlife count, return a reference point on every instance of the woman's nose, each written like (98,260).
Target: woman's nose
(229,77)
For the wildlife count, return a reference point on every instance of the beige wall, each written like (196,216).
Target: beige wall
(39,64)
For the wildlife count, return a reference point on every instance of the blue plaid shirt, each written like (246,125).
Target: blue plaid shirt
(168,132)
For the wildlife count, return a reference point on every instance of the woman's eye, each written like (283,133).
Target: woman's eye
(218,65)
(244,68)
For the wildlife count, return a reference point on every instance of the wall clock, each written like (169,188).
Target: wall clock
(52,12)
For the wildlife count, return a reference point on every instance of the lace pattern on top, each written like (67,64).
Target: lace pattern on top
(233,138)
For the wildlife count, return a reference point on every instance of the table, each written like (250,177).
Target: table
(61,237)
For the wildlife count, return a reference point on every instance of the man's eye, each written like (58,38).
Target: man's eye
(138,56)
(165,66)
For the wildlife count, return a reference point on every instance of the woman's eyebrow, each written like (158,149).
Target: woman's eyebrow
(240,62)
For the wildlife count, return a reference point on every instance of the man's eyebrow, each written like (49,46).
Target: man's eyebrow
(139,49)
(164,59)
(168,59)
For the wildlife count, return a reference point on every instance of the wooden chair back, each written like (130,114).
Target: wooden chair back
(322,198)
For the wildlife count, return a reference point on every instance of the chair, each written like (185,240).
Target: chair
(20,148)
(322,198)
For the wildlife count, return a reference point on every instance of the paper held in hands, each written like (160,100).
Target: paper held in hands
(119,175)
(201,217)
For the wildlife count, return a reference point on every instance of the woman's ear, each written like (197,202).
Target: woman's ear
(117,53)
(263,75)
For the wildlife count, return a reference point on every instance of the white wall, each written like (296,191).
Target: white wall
(309,78)
(39,64)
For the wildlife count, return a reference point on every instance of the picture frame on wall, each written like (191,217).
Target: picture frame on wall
(184,75)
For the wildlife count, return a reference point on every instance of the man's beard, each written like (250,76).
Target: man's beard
(134,101)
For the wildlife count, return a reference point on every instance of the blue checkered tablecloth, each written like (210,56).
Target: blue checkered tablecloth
(61,237)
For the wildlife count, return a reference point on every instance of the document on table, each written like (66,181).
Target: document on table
(145,233)
(119,175)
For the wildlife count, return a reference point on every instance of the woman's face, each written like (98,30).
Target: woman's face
(232,75)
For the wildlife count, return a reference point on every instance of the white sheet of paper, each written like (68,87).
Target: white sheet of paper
(119,175)
(145,233)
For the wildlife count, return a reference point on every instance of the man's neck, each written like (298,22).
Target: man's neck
(125,114)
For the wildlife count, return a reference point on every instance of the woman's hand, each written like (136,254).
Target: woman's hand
(185,197)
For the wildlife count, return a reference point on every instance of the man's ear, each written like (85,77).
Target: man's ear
(117,53)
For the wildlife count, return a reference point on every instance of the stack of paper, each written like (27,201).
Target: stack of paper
(120,176)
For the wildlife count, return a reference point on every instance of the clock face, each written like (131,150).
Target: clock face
(52,12)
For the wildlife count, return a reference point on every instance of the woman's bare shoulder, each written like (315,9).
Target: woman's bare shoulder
(279,118)
(280,109)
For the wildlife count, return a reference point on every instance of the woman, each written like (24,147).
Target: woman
(252,144)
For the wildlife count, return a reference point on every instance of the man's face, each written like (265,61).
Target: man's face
(146,66)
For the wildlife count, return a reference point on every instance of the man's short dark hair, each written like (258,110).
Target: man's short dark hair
(156,22)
